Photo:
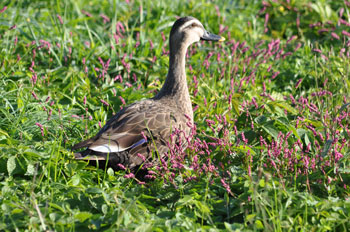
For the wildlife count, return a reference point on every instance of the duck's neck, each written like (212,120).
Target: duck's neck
(175,84)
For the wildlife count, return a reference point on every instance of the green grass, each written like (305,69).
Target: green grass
(272,145)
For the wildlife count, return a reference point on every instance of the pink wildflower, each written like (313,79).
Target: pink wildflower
(41,128)
(129,176)
(226,186)
(335,36)
(298,83)
(3,9)
(60,18)
(35,96)
(104,102)
(86,13)
(144,136)
(105,18)
(141,156)
(122,100)
(346,33)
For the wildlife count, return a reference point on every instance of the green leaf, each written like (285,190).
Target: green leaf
(94,190)
(30,170)
(307,140)
(235,105)
(83,216)
(244,149)
(250,217)
(259,225)
(110,172)
(75,180)
(17,210)
(31,153)
(4,133)
(301,132)
(104,209)
(54,216)
(11,165)
(235,227)
(262,183)
(260,119)
(315,123)
(326,147)
(290,127)
(271,129)
(285,106)
(55,206)
(202,207)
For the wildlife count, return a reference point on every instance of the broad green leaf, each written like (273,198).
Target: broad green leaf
(82,216)
(301,132)
(11,165)
(259,225)
(17,210)
(30,170)
(315,123)
(184,201)
(307,140)
(285,106)
(326,148)
(244,149)
(94,190)
(286,123)
(260,119)
(202,207)
(262,183)
(250,217)
(270,129)
(104,209)
(235,227)
(75,180)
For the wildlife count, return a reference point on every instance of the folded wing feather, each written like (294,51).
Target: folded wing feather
(123,131)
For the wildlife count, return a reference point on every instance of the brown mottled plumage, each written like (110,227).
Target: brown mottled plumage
(144,126)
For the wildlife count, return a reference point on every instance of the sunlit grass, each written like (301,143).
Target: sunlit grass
(271,149)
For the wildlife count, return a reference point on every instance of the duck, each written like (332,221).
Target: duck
(136,132)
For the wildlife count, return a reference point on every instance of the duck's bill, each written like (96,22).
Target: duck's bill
(212,37)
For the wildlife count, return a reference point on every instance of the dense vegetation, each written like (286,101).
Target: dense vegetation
(272,110)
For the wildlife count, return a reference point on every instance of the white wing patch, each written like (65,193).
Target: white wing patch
(109,148)
(106,148)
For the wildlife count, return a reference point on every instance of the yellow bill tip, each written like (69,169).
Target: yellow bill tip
(222,39)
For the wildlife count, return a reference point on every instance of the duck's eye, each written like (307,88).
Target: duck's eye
(193,25)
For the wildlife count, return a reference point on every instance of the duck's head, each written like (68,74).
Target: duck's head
(188,30)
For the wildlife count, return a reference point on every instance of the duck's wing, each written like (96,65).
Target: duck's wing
(133,126)
(114,120)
